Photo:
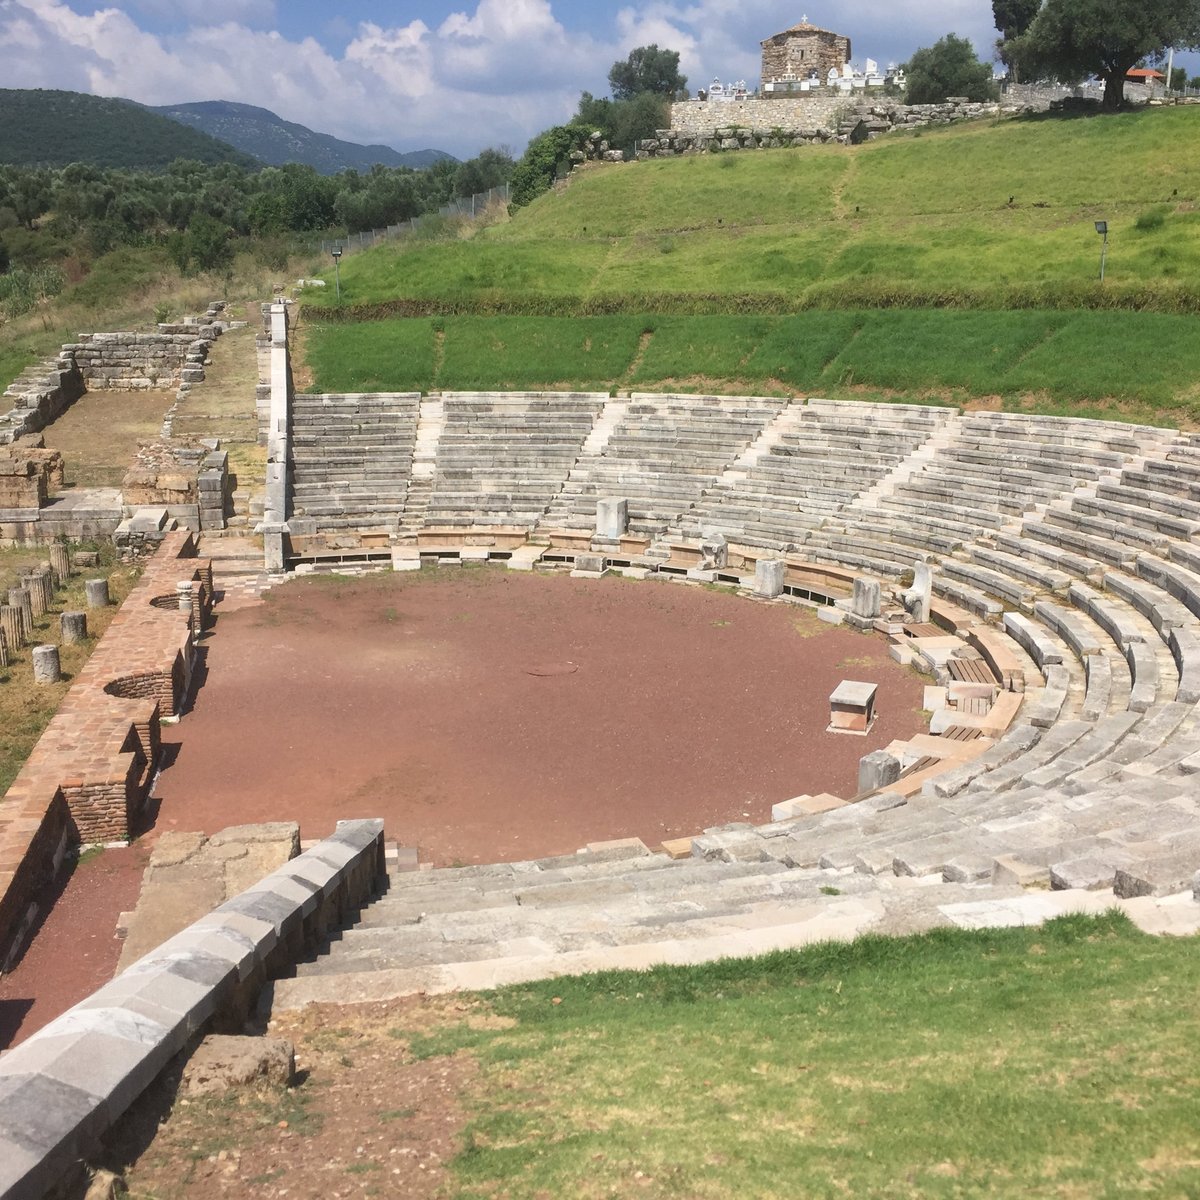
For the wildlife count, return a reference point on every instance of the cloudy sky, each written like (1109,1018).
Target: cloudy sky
(433,73)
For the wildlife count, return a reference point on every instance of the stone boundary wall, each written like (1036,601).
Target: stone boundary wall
(89,774)
(696,117)
(65,1087)
(172,357)
(769,124)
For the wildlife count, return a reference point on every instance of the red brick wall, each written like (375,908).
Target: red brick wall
(88,775)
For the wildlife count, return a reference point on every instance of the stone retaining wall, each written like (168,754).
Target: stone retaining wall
(65,1087)
(89,774)
(704,127)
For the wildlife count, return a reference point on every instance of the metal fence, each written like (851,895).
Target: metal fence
(469,208)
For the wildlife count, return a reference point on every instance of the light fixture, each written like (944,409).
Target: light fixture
(1102,230)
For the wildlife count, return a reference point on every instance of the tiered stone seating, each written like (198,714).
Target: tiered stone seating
(502,458)
(1069,544)
(352,457)
(813,461)
(473,927)
(662,454)
(998,466)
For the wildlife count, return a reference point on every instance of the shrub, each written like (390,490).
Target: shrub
(1152,219)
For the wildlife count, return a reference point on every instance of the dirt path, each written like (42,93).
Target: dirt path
(76,949)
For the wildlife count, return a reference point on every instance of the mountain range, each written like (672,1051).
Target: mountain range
(272,140)
(49,128)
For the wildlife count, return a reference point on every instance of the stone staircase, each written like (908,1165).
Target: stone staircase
(618,906)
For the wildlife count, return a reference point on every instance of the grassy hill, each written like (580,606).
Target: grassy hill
(45,128)
(822,270)
(271,139)
(924,220)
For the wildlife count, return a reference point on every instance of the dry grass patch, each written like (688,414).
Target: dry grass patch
(26,707)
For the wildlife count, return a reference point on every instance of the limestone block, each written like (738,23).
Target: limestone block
(876,770)
(768,577)
(866,599)
(589,564)
(612,517)
(222,1064)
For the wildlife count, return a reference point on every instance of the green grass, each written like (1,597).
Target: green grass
(922,221)
(1049,1062)
(1031,359)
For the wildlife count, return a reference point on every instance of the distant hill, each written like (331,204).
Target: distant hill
(44,128)
(273,140)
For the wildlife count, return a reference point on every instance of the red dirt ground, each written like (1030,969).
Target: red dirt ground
(76,949)
(485,715)
(489,715)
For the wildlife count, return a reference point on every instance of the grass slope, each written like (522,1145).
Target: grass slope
(924,220)
(1053,1062)
(1051,361)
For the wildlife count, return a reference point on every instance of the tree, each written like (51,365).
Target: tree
(1012,18)
(950,67)
(489,169)
(647,69)
(1178,80)
(1072,39)
(624,123)
(544,157)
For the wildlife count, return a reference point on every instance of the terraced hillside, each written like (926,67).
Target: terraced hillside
(982,213)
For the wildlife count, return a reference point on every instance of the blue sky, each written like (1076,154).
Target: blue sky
(449,74)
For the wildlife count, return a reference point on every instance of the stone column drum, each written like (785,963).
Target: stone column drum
(13,625)
(60,562)
(46,668)
(73,628)
(19,599)
(32,585)
(97,593)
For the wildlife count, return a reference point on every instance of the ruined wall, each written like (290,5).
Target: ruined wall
(173,355)
(698,128)
(815,111)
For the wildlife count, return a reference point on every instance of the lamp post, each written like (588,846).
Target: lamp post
(337,274)
(1102,230)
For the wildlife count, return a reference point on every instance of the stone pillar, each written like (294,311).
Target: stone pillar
(32,585)
(876,770)
(866,601)
(13,625)
(917,599)
(3,648)
(97,593)
(60,562)
(183,597)
(19,599)
(768,577)
(45,572)
(45,664)
(612,517)
(73,627)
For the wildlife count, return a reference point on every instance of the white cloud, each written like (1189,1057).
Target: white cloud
(495,73)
